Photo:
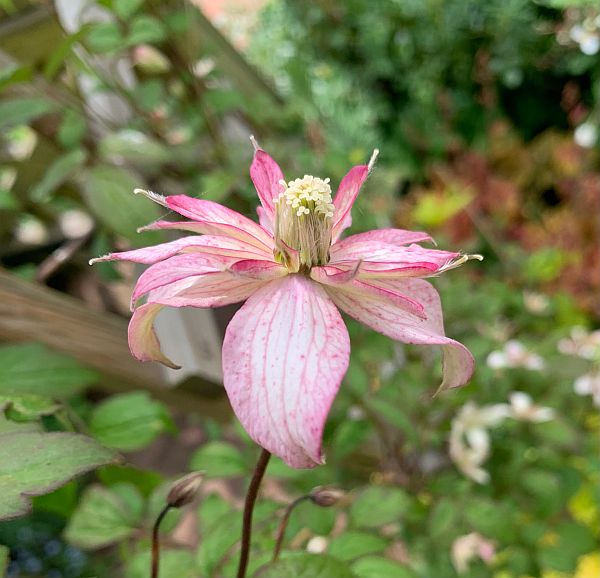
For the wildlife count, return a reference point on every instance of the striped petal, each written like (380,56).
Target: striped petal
(345,197)
(387,317)
(389,236)
(284,356)
(266,174)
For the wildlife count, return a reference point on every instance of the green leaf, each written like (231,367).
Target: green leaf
(126,8)
(219,460)
(378,505)
(4,559)
(108,192)
(103,517)
(375,567)
(13,74)
(129,421)
(217,540)
(23,111)
(443,517)
(60,53)
(146,29)
(35,463)
(72,129)
(173,564)
(301,565)
(104,37)
(574,540)
(27,406)
(31,368)
(352,545)
(56,174)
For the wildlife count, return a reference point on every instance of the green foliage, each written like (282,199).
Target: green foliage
(219,459)
(305,566)
(34,463)
(129,421)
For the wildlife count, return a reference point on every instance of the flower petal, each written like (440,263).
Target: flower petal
(344,198)
(284,356)
(143,343)
(388,236)
(385,316)
(178,268)
(266,174)
(258,269)
(210,244)
(264,219)
(216,217)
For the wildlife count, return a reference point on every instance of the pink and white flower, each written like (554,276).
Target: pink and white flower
(286,350)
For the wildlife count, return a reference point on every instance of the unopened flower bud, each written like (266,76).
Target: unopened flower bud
(184,490)
(326,496)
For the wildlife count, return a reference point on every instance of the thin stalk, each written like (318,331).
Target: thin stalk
(259,472)
(283,524)
(156,542)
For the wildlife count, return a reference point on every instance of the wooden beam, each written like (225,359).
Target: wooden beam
(33,312)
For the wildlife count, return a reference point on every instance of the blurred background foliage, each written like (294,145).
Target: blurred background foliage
(486,114)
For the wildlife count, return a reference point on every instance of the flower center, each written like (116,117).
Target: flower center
(303,220)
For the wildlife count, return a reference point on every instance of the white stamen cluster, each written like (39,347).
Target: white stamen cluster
(306,194)
(304,219)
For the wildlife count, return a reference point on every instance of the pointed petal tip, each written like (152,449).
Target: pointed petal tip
(99,259)
(373,159)
(160,199)
(254,143)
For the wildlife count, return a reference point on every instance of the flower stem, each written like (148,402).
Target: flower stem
(283,524)
(156,542)
(259,472)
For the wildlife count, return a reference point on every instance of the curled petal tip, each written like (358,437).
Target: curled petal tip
(460,261)
(373,159)
(160,199)
(98,259)
(254,143)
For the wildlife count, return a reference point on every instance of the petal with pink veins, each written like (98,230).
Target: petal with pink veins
(266,174)
(211,213)
(385,316)
(284,356)
(345,197)
(264,219)
(213,289)
(210,244)
(177,268)
(256,269)
(389,236)
(143,343)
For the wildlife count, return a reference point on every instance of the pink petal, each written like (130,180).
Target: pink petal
(284,356)
(177,268)
(374,289)
(214,289)
(264,219)
(385,316)
(209,244)
(266,174)
(378,251)
(213,214)
(143,342)
(258,269)
(388,236)
(345,196)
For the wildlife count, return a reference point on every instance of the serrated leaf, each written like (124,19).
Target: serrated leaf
(173,564)
(31,368)
(375,567)
(108,192)
(103,517)
(378,505)
(23,110)
(219,459)
(56,174)
(32,464)
(129,421)
(144,29)
(352,545)
(301,565)
(221,537)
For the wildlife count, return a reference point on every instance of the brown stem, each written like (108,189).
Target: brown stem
(156,542)
(283,525)
(259,472)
